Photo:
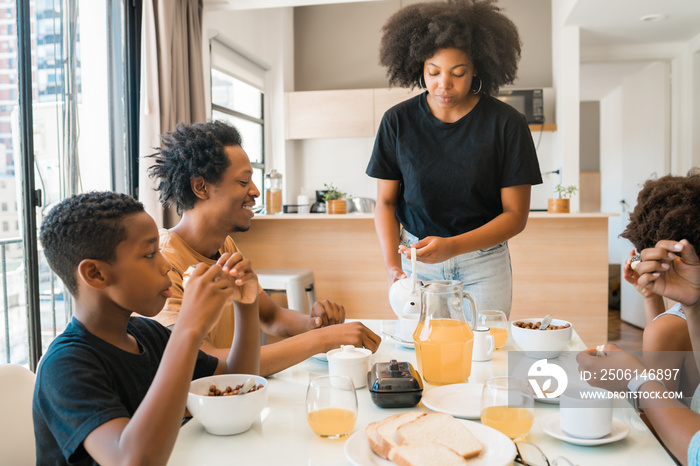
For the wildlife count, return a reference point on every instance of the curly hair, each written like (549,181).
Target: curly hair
(85,226)
(416,32)
(188,152)
(667,208)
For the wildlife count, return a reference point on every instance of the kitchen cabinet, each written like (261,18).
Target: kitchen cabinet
(351,113)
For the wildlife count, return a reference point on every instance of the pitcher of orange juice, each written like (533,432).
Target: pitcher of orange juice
(443,337)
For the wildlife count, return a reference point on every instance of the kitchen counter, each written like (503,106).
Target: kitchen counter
(560,264)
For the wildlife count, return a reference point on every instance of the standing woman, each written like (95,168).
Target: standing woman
(454,165)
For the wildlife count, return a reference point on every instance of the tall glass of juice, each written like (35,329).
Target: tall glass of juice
(331,405)
(497,322)
(507,405)
(443,337)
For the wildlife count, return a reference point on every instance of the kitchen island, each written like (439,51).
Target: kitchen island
(560,264)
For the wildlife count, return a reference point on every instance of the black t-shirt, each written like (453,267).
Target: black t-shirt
(451,174)
(83,382)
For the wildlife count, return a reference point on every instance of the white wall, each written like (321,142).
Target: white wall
(635,143)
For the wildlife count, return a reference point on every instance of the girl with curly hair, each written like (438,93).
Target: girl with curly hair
(454,165)
(668,208)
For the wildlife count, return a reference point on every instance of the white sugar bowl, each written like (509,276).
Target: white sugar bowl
(351,362)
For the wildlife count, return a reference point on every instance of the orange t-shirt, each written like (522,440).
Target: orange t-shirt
(181,256)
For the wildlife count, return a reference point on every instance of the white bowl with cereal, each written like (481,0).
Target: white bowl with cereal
(541,344)
(218,402)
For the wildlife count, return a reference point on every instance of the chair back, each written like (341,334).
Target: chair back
(17,445)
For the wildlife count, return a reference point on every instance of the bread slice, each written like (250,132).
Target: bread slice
(375,443)
(382,434)
(429,454)
(441,429)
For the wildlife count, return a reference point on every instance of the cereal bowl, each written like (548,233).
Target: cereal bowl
(541,344)
(226,415)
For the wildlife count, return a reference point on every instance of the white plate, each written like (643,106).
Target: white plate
(498,449)
(551,425)
(320,357)
(401,342)
(460,399)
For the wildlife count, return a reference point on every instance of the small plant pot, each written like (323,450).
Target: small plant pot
(558,206)
(337,206)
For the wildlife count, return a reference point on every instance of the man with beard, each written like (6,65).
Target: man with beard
(203,170)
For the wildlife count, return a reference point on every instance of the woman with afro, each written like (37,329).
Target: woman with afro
(667,208)
(454,165)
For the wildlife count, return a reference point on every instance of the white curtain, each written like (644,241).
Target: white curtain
(172,84)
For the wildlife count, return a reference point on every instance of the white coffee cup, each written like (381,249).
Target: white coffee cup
(351,362)
(586,412)
(407,325)
(484,344)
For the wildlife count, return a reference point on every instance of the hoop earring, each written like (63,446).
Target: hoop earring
(480,84)
(421,82)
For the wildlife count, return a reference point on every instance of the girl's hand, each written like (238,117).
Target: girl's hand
(671,269)
(631,276)
(431,250)
(240,274)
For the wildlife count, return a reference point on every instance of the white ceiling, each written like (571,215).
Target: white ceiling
(617,22)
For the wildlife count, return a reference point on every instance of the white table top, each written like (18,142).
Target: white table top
(283,436)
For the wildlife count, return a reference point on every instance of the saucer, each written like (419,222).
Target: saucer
(401,342)
(551,425)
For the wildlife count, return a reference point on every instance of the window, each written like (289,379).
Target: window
(237,96)
(70,130)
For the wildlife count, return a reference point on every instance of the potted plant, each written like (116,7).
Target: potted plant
(560,204)
(336,201)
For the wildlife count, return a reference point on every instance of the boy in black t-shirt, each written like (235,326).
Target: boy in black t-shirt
(112,388)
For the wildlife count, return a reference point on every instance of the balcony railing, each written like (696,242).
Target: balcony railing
(54,311)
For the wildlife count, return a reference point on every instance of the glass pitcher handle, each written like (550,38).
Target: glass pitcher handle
(472,305)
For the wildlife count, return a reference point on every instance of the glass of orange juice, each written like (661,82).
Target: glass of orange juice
(497,323)
(331,405)
(507,405)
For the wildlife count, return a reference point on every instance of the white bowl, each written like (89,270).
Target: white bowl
(226,415)
(541,344)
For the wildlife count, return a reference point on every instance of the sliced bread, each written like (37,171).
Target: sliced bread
(425,455)
(441,429)
(375,443)
(385,432)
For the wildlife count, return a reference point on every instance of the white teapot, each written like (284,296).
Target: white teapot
(404,295)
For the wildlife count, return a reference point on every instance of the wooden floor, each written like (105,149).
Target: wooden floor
(624,335)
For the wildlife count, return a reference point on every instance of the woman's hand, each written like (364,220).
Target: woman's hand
(241,276)
(431,250)
(395,274)
(671,269)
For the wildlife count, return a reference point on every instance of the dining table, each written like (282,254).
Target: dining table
(281,434)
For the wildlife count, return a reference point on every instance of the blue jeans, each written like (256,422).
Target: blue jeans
(486,273)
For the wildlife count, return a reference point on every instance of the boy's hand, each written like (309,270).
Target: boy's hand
(241,276)
(671,269)
(325,313)
(206,292)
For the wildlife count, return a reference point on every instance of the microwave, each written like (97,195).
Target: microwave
(529,102)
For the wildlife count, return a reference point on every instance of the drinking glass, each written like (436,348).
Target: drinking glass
(331,405)
(497,323)
(507,405)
